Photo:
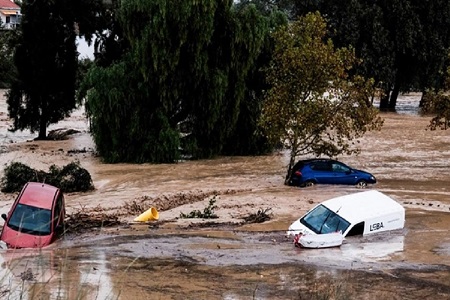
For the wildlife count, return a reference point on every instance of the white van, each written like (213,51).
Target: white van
(355,214)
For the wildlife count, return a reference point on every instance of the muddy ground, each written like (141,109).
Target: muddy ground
(177,258)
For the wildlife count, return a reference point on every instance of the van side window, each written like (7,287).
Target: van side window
(358,229)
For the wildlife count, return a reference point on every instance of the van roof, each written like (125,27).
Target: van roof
(359,207)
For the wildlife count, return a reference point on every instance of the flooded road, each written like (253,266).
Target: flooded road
(178,260)
(235,263)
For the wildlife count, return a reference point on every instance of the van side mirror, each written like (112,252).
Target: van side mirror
(4,216)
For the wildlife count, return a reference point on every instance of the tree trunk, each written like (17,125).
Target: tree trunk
(42,131)
(422,99)
(384,100)
(394,96)
(291,165)
(43,124)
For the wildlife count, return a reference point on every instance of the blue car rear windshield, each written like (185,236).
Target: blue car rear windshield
(322,220)
(31,220)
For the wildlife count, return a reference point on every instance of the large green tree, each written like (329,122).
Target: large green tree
(403,43)
(315,105)
(181,83)
(46,60)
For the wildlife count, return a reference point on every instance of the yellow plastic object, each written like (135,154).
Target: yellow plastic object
(149,215)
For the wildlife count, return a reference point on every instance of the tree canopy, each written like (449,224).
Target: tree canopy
(315,106)
(46,59)
(44,91)
(248,138)
(175,78)
(403,44)
(182,83)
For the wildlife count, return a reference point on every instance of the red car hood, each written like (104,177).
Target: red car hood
(15,239)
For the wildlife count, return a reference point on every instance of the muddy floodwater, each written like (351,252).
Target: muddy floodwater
(177,258)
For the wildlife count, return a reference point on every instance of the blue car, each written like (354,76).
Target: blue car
(327,171)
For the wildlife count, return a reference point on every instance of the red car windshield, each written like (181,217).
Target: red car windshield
(31,220)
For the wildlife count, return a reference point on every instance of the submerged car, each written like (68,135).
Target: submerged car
(36,218)
(327,171)
(360,213)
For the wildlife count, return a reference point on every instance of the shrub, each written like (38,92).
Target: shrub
(208,212)
(16,175)
(70,178)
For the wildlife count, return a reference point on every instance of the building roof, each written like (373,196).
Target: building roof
(8,4)
(362,206)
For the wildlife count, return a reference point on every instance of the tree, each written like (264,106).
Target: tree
(435,45)
(109,42)
(46,60)
(248,138)
(402,43)
(124,124)
(181,83)
(214,107)
(44,91)
(315,105)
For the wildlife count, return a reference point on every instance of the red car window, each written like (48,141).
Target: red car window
(30,219)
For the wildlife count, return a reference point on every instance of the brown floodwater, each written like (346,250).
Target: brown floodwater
(177,260)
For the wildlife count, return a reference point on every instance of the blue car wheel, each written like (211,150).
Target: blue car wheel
(361,184)
(308,183)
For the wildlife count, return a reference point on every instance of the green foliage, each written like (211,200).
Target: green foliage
(124,123)
(181,85)
(89,16)
(44,92)
(438,103)
(16,175)
(259,217)
(433,44)
(208,212)
(70,178)
(110,44)
(248,138)
(84,65)
(402,43)
(8,70)
(315,105)
(46,59)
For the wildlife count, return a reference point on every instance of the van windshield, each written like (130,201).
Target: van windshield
(322,220)
(31,220)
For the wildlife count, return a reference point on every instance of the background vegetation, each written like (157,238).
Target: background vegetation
(198,79)
(70,178)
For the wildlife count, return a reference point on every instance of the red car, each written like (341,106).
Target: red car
(36,218)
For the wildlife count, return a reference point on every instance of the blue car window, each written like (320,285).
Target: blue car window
(340,168)
(30,219)
(321,166)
